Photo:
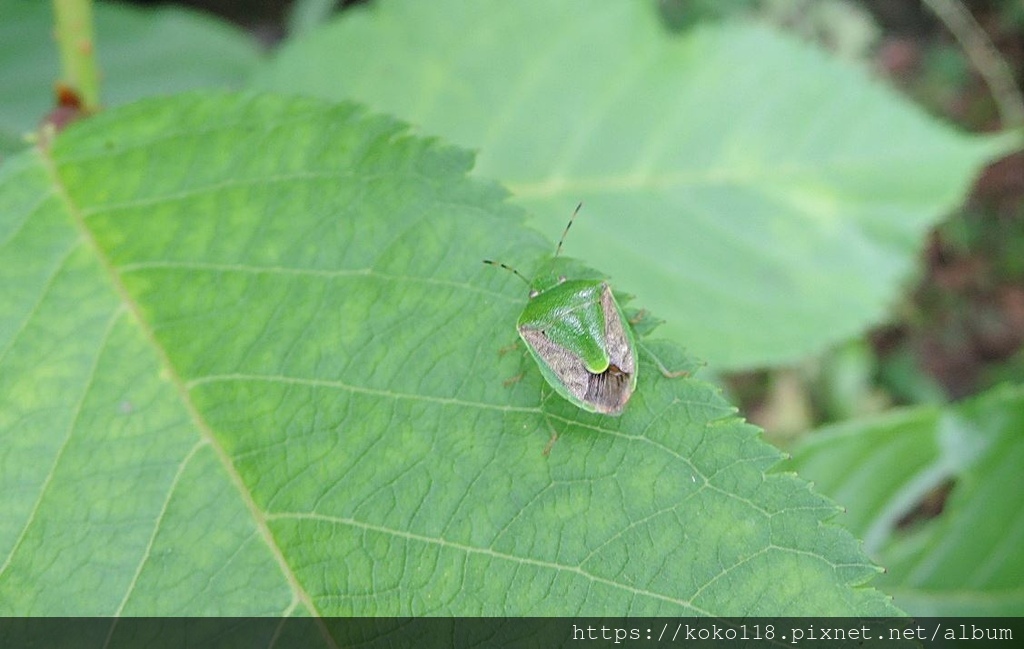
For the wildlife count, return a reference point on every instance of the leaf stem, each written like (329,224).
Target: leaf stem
(74,34)
(986,58)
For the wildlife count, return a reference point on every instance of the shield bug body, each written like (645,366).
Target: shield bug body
(580,338)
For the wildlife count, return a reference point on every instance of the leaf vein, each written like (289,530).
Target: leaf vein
(156,525)
(72,423)
(328,383)
(469,550)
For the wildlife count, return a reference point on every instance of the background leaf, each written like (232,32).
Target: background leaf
(141,53)
(764,200)
(965,560)
(250,365)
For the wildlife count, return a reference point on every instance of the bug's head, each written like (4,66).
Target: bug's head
(548,278)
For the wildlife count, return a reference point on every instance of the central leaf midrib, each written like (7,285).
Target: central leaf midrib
(75,213)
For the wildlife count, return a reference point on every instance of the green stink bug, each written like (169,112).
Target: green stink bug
(580,338)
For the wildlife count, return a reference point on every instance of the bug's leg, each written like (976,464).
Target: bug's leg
(512,380)
(666,372)
(551,442)
(638,317)
(508,348)
(649,349)
(642,322)
(669,374)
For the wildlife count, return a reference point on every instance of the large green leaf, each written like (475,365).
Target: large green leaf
(762,198)
(966,561)
(140,53)
(250,363)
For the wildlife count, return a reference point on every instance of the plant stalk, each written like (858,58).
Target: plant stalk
(74,34)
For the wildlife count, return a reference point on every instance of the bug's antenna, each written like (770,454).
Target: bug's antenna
(514,271)
(568,225)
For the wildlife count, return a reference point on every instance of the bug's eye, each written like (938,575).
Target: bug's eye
(534,294)
(561,279)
